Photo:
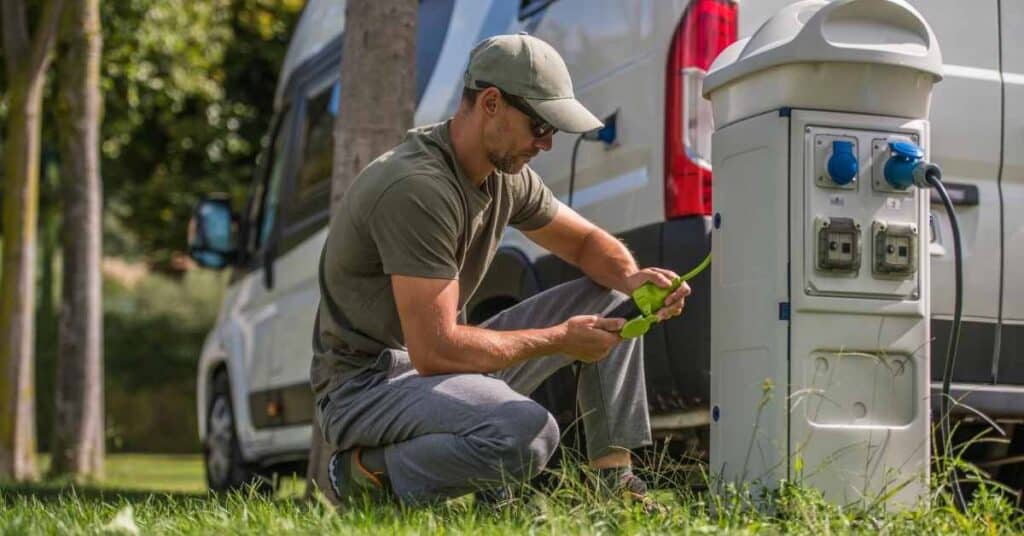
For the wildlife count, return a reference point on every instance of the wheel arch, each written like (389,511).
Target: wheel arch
(511,278)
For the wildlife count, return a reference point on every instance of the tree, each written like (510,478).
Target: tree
(188,93)
(77,443)
(378,98)
(27,59)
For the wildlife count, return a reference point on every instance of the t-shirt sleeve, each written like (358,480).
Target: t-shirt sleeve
(534,204)
(415,225)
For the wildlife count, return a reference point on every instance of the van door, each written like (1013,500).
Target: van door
(257,307)
(305,216)
(965,127)
(1009,367)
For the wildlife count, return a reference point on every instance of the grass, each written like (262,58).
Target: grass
(159,494)
(172,473)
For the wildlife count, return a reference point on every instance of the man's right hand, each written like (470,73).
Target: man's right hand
(590,338)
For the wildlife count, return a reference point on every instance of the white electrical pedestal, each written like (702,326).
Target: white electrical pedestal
(820,275)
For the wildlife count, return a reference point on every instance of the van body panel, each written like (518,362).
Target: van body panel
(293,335)
(965,121)
(965,118)
(1010,368)
(1013,160)
(471,21)
(613,49)
(320,23)
(231,344)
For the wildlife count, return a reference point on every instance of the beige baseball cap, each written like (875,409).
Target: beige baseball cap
(527,67)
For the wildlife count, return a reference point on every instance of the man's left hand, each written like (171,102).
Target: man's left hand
(663,278)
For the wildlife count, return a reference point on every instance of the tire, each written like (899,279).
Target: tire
(226,470)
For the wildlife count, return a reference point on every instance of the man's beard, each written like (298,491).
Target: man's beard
(508,162)
(505,162)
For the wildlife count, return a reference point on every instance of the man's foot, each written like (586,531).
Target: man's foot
(623,483)
(351,480)
(497,498)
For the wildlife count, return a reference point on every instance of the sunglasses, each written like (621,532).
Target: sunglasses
(538,126)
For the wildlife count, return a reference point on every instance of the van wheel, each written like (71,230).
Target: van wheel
(225,468)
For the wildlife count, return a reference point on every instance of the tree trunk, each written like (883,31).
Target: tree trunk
(26,63)
(378,98)
(378,86)
(17,292)
(77,441)
(48,241)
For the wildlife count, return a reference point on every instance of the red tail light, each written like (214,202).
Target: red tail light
(708,26)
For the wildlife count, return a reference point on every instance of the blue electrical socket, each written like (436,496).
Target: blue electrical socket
(607,133)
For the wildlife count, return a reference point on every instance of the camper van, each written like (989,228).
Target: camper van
(640,65)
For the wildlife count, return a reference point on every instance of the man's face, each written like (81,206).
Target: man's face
(509,140)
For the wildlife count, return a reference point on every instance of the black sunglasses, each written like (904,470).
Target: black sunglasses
(539,127)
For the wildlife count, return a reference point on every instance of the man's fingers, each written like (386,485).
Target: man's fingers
(678,294)
(610,324)
(665,272)
(674,303)
(674,311)
(657,277)
(667,313)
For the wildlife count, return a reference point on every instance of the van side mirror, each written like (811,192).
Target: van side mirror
(211,233)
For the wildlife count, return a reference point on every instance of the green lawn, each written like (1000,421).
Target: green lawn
(160,494)
(164,472)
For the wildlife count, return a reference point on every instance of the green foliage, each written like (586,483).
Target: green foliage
(153,337)
(154,331)
(153,334)
(188,91)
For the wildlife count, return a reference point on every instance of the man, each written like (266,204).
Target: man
(422,407)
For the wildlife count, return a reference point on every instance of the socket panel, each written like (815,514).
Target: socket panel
(895,249)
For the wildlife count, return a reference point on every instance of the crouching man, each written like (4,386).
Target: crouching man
(420,407)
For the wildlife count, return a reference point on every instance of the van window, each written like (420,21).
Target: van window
(318,133)
(529,8)
(431,28)
(271,187)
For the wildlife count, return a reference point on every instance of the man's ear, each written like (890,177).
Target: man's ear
(488,100)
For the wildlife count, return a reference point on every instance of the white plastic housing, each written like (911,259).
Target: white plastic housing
(818,378)
(820,363)
(821,55)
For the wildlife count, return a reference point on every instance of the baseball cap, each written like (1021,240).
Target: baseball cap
(527,67)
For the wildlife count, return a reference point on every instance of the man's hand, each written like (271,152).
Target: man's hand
(590,338)
(663,278)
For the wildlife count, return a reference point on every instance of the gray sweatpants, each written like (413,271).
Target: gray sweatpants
(447,435)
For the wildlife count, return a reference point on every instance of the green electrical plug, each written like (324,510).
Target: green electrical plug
(650,298)
(638,326)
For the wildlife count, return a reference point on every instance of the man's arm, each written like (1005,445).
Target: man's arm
(602,257)
(593,250)
(438,345)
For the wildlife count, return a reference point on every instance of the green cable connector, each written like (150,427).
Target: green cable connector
(650,298)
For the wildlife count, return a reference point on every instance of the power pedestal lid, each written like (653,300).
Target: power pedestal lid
(821,55)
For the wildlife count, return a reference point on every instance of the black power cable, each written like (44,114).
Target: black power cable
(997,343)
(606,134)
(933,177)
(572,166)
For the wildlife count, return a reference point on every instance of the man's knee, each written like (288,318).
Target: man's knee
(527,436)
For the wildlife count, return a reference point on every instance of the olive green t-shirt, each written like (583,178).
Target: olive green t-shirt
(411,212)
